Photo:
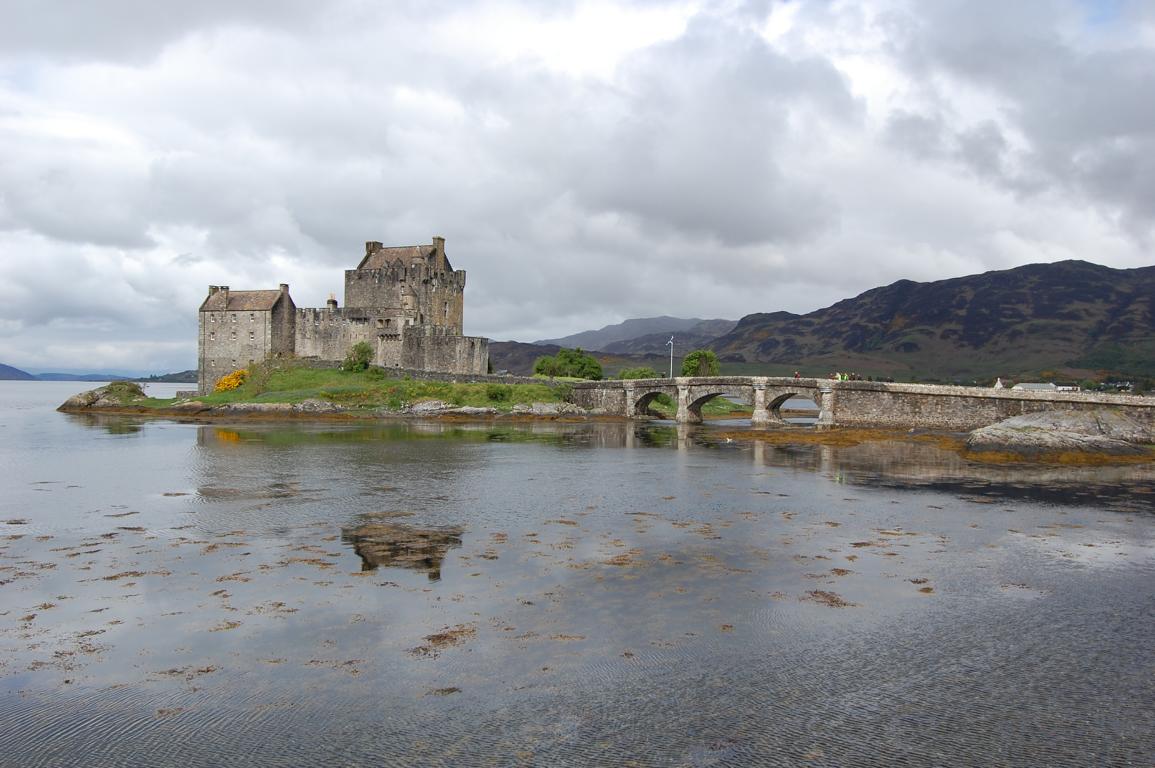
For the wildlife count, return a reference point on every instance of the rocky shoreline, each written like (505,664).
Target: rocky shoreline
(117,399)
(1097,435)
(1100,431)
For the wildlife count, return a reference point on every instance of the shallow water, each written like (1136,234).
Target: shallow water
(605,594)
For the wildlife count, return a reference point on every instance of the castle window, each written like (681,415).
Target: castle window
(252,336)
(380,323)
(212,318)
(252,317)
(212,335)
(233,336)
(234,317)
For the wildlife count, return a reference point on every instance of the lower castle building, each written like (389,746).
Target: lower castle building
(406,302)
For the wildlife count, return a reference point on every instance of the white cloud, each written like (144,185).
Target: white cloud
(587,162)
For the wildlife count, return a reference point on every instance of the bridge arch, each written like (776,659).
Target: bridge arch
(641,404)
(777,397)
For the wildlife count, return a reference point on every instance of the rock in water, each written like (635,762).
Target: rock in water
(1100,430)
(118,393)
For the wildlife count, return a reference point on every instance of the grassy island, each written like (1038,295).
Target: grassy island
(371,389)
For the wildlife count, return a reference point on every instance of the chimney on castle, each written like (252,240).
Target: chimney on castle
(439,245)
(332,302)
(225,290)
(213,289)
(372,246)
(285,288)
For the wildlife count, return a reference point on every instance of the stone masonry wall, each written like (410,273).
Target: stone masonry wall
(231,340)
(874,404)
(432,349)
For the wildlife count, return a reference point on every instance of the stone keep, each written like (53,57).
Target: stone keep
(406,302)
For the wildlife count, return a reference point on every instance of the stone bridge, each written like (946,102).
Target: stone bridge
(847,403)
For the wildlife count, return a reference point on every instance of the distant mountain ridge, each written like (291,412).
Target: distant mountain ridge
(1068,315)
(599,340)
(695,336)
(1068,319)
(8,373)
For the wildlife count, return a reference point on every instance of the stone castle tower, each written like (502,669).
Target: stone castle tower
(407,302)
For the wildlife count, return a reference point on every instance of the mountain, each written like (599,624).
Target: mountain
(517,357)
(8,373)
(181,377)
(50,376)
(645,326)
(1071,317)
(694,337)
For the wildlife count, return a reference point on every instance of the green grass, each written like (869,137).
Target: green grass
(370,389)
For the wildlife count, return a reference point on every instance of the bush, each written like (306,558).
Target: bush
(231,381)
(359,357)
(701,362)
(498,393)
(645,372)
(571,363)
(376,373)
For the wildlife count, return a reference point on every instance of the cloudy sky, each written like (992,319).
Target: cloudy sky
(586,162)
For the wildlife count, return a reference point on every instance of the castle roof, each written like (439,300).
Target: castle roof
(406,254)
(240,301)
(378,256)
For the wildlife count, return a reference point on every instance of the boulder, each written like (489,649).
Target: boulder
(116,394)
(1099,430)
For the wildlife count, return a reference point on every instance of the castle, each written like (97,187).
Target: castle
(406,302)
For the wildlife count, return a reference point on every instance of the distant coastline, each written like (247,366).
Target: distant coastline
(11,373)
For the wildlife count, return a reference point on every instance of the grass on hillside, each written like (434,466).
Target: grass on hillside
(370,389)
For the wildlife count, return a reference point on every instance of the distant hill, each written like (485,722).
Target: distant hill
(1071,317)
(183,377)
(629,329)
(694,337)
(8,373)
(518,358)
(81,377)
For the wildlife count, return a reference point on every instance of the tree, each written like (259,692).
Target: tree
(571,363)
(645,372)
(701,362)
(359,357)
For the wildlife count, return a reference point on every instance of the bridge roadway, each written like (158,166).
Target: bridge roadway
(848,403)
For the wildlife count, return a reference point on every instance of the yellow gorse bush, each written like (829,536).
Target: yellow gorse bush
(231,381)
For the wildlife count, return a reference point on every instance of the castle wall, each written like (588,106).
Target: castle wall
(282,328)
(231,340)
(433,349)
(328,334)
(414,292)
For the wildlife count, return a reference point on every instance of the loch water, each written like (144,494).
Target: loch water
(554,594)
